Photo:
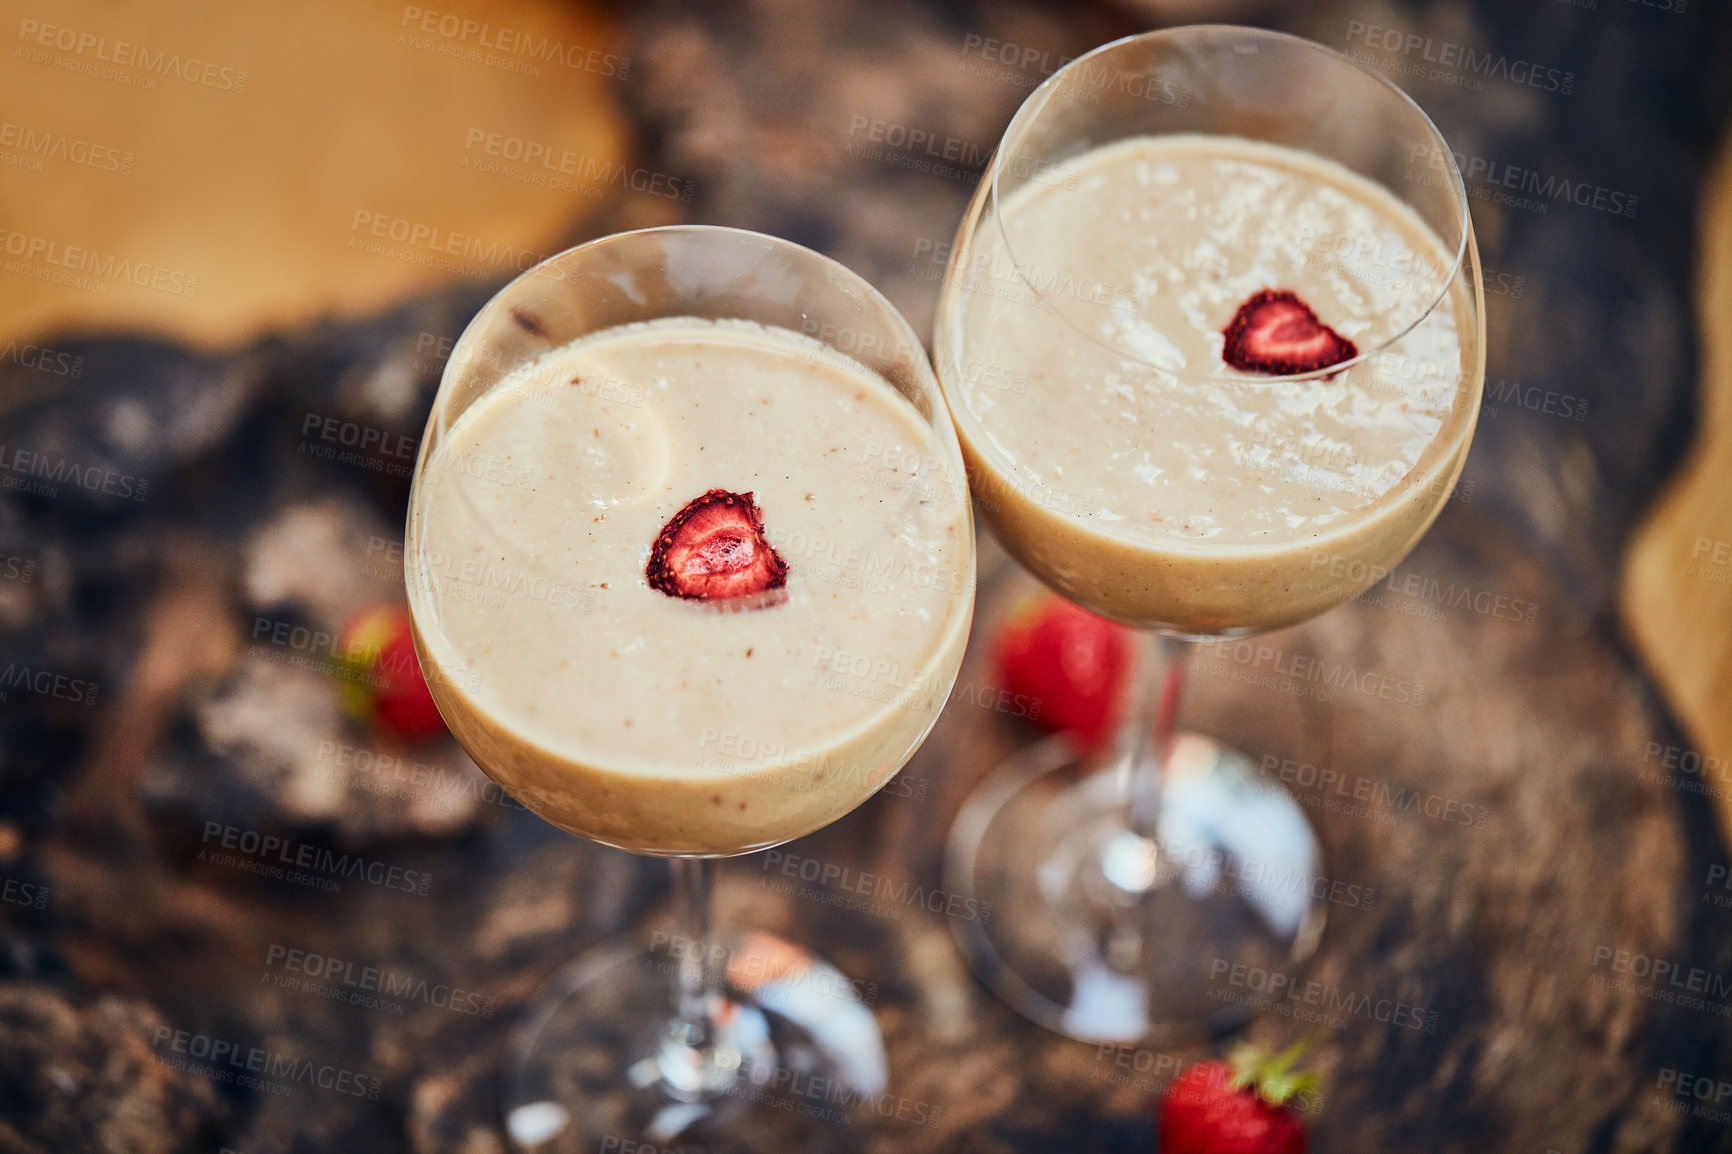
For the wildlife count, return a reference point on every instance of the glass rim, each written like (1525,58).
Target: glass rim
(783,244)
(1036,103)
(462,351)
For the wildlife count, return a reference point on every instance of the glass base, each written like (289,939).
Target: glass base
(596,1063)
(1097,934)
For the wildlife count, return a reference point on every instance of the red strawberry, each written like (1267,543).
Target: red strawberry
(1071,664)
(714,549)
(1277,333)
(1238,1106)
(382,680)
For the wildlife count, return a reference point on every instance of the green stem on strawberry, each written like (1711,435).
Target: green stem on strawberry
(1271,1076)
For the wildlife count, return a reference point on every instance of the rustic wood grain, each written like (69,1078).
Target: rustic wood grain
(237,189)
(1677,590)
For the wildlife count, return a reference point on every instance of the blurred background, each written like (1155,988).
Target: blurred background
(236,247)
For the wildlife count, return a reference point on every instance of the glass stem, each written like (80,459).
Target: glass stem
(1146,738)
(698,979)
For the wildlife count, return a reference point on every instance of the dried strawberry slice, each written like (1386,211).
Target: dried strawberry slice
(714,549)
(1277,333)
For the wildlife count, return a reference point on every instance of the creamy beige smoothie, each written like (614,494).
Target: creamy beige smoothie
(1115,451)
(643,719)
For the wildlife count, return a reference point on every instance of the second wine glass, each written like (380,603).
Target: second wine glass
(1212,337)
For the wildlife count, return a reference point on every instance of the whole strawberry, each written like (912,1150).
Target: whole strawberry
(380,677)
(1071,666)
(1239,1106)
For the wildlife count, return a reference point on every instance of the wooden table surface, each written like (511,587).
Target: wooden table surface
(1539,883)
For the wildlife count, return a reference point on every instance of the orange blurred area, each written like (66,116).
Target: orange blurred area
(208,172)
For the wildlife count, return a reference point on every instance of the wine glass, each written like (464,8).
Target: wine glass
(684,494)
(1212,336)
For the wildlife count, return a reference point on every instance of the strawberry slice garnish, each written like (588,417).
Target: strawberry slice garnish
(1277,333)
(714,549)
(1239,1106)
